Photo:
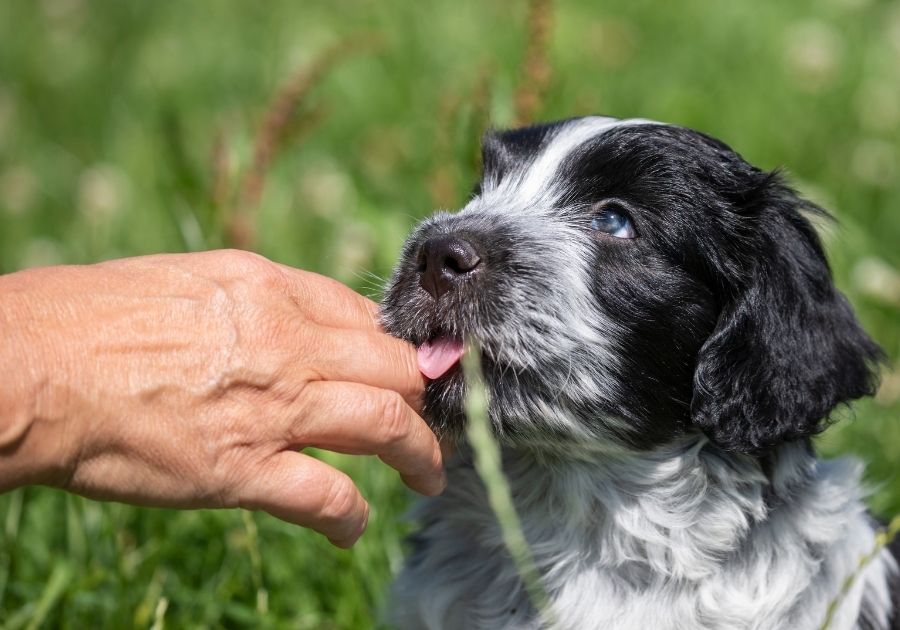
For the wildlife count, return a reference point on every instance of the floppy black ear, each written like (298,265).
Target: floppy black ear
(787,347)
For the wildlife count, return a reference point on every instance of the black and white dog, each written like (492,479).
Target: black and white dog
(661,338)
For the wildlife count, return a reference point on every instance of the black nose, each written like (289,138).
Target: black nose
(443,261)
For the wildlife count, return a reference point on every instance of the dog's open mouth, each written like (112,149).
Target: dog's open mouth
(438,356)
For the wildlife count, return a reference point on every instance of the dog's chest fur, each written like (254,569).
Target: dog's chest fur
(683,537)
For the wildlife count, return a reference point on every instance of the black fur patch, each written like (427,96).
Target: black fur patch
(724,312)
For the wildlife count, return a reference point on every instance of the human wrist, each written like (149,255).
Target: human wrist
(33,423)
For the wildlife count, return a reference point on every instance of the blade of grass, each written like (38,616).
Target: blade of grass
(19,618)
(10,533)
(153,595)
(159,614)
(262,595)
(56,587)
(883,538)
(488,465)
(75,536)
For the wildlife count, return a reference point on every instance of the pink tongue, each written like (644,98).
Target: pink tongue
(438,356)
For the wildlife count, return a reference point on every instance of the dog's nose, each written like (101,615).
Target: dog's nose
(443,261)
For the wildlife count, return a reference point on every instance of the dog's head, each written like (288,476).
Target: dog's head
(628,282)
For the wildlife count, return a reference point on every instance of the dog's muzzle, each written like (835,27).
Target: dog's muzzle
(444,263)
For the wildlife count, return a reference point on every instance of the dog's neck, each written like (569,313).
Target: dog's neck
(673,511)
(616,537)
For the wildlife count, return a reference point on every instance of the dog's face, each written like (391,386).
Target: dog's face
(628,281)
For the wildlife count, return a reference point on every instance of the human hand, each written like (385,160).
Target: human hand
(193,381)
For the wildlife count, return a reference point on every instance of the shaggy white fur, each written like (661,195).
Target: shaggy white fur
(681,537)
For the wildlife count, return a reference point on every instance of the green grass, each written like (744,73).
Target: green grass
(109,115)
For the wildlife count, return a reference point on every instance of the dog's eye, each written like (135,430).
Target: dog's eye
(613,220)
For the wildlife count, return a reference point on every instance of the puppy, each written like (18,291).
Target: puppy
(660,338)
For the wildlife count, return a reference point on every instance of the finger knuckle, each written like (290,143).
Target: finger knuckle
(404,358)
(249,264)
(340,499)
(394,419)
(226,461)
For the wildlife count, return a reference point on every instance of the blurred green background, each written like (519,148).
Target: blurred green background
(133,127)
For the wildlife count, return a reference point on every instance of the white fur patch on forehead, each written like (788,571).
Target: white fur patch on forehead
(539,178)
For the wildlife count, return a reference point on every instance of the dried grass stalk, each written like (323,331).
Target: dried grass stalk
(481,111)
(220,166)
(280,123)
(442,181)
(536,69)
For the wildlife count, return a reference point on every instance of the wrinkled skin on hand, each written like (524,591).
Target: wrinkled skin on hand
(194,381)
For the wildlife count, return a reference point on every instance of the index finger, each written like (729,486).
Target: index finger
(328,302)
(369,358)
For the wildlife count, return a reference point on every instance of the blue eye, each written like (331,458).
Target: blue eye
(613,221)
